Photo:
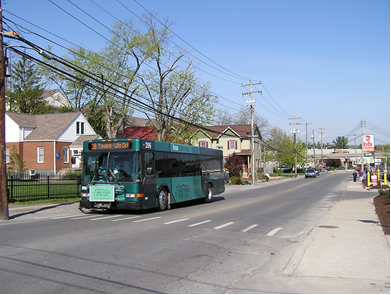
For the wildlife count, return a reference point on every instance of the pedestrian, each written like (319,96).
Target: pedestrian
(361,175)
(354,175)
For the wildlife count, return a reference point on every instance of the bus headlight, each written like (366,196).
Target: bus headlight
(85,195)
(134,195)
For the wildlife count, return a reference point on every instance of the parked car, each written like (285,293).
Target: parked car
(317,171)
(226,177)
(310,173)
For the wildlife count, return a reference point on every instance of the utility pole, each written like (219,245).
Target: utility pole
(321,149)
(251,103)
(306,145)
(362,145)
(294,131)
(313,140)
(3,181)
(355,147)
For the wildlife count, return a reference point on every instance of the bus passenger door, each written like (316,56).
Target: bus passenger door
(149,181)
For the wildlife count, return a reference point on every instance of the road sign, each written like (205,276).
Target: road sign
(369,143)
(368,154)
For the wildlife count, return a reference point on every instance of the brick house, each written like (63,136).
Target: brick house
(44,141)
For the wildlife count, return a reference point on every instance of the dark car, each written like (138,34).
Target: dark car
(310,173)
(226,177)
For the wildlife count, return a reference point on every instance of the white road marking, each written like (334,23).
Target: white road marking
(147,219)
(250,227)
(272,233)
(82,217)
(105,217)
(67,216)
(223,225)
(126,218)
(174,221)
(199,223)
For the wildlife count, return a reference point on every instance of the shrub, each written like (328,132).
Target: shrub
(235,180)
(384,192)
(73,176)
(234,165)
(263,176)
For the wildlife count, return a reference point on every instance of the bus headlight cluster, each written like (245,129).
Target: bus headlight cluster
(134,195)
(85,195)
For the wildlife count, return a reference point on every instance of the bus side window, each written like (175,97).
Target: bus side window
(148,163)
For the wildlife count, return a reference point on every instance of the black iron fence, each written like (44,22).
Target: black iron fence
(21,189)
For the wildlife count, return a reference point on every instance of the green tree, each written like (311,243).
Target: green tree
(16,165)
(341,142)
(282,147)
(25,90)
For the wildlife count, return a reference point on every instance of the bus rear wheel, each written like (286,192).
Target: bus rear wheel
(209,194)
(162,200)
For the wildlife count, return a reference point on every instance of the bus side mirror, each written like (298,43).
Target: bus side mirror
(149,171)
(73,160)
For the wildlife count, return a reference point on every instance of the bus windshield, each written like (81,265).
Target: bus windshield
(111,167)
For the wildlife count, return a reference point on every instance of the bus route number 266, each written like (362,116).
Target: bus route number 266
(148,145)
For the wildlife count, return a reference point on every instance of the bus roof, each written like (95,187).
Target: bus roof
(136,144)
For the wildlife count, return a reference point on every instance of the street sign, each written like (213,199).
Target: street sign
(369,143)
(368,154)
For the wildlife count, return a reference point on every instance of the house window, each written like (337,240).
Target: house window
(79,128)
(203,144)
(65,154)
(232,145)
(40,154)
(7,155)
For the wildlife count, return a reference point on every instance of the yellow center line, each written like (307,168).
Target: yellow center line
(249,202)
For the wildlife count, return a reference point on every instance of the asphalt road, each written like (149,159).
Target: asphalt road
(193,248)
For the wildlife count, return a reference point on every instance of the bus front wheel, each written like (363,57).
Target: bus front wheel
(163,200)
(209,194)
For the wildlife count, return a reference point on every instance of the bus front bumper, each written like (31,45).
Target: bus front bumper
(114,205)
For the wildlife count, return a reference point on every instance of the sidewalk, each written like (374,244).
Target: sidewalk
(346,253)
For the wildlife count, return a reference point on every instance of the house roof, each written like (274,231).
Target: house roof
(242,131)
(245,152)
(47,93)
(147,132)
(82,138)
(135,121)
(47,126)
(23,120)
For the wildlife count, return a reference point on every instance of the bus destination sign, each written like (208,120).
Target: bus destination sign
(115,145)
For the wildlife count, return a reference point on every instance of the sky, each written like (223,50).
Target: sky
(326,62)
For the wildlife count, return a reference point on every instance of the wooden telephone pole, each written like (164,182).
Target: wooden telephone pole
(3,181)
(251,103)
(294,131)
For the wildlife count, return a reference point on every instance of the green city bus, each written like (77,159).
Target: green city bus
(138,174)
